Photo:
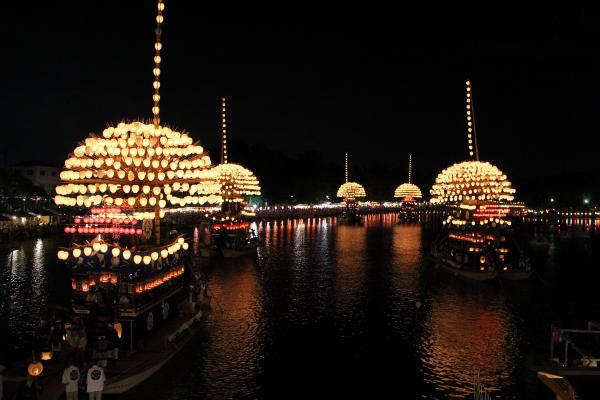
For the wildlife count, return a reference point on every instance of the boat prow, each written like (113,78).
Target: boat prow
(140,366)
(455,269)
(515,275)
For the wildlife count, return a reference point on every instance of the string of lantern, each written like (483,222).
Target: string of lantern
(408,191)
(235,180)
(139,165)
(101,247)
(474,180)
(350,190)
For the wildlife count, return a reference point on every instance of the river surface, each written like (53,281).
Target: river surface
(343,312)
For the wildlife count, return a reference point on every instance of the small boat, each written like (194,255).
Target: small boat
(479,245)
(350,218)
(445,260)
(231,239)
(141,365)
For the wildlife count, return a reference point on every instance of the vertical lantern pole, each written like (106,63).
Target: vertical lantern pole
(156,97)
(346,167)
(471,132)
(223,131)
(410,168)
(157,60)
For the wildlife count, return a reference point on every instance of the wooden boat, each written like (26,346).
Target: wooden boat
(231,239)
(139,366)
(458,269)
(477,244)
(350,218)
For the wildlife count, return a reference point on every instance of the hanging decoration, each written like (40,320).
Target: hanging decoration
(408,191)
(350,190)
(473,180)
(234,180)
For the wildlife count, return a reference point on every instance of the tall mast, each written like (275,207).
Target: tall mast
(410,168)
(472,132)
(346,167)
(223,131)
(157,60)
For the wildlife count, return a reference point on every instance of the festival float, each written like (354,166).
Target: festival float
(350,192)
(135,297)
(409,194)
(477,242)
(230,233)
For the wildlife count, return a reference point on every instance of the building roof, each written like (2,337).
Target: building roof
(34,163)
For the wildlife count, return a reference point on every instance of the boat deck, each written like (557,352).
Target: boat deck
(130,369)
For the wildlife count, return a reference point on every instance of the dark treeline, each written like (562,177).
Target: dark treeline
(311,176)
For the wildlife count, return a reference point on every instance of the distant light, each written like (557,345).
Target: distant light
(551,199)
(586,201)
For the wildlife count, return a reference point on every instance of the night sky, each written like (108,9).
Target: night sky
(379,83)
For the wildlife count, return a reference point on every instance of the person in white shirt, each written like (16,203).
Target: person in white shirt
(70,379)
(95,382)
(1,372)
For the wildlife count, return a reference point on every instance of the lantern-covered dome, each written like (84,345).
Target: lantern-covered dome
(236,181)
(471,180)
(351,190)
(137,165)
(407,191)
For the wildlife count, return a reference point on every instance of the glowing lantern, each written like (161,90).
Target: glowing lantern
(118,328)
(137,259)
(35,368)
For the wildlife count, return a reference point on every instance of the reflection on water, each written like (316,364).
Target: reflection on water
(466,332)
(328,311)
(29,280)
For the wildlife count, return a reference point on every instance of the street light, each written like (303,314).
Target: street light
(586,201)
(551,199)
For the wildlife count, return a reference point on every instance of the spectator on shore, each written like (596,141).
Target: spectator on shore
(70,379)
(95,382)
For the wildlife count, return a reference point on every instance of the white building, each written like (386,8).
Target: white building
(39,174)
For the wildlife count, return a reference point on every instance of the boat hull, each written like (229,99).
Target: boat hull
(241,252)
(149,366)
(515,275)
(453,268)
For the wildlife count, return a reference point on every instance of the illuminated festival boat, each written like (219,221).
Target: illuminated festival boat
(135,296)
(409,194)
(350,192)
(230,234)
(477,242)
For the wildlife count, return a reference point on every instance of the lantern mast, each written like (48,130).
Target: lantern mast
(223,131)
(346,167)
(471,130)
(157,60)
(156,96)
(410,168)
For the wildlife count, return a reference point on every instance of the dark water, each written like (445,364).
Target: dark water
(330,311)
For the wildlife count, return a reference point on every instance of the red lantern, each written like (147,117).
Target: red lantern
(77,220)
(133,221)
(138,231)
